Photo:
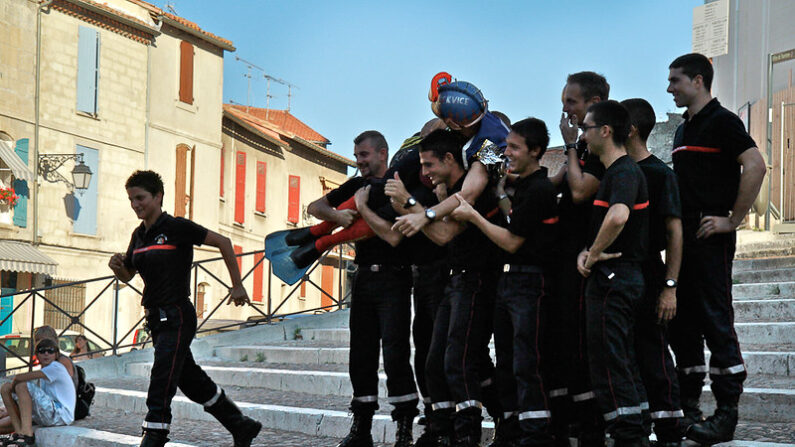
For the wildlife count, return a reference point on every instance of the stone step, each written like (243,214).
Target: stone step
(765,333)
(742,265)
(72,436)
(778,362)
(749,311)
(756,276)
(765,290)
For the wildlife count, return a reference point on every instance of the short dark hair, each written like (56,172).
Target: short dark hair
(591,84)
(48,343)
(641,115)
(534,132)
(612,113)
(442,141)
(695,64)
(503,117)
(375,137)
(148,180)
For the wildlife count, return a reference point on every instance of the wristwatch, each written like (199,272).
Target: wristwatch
(430,214)
(569,146)
(670,283)
(411,201)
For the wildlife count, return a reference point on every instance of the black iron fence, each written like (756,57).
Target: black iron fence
(19,350)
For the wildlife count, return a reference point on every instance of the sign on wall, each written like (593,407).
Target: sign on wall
(711,28)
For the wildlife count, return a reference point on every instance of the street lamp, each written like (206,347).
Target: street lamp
(48,168)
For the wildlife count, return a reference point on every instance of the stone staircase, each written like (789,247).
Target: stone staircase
(299,388)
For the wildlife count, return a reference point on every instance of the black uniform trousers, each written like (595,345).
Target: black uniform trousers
(173,328)
(570,391)
(613,294)
(705,312)
(654,358)
(471,294)
(381,317)
(429,281)
(518,338)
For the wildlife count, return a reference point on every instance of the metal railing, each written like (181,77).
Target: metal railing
(114,285)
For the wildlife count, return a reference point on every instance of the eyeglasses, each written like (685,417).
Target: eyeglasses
(46,351)
(585,128)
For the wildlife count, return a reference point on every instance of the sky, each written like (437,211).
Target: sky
(362,65)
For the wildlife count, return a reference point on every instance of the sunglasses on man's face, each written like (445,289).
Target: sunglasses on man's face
(46,351)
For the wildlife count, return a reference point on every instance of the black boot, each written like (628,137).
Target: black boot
(638,442)
(360,432)
(305,255)
(693,414)
(299,236)
(243,428)
(717,428)
(506,432)
(404,436)
(154,438)
(666,444)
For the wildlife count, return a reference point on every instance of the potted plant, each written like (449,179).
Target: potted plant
(8,196)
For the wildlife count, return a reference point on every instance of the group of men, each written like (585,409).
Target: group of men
(564,270)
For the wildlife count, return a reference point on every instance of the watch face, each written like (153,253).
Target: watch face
(411,201)
(670,283)
(430,214)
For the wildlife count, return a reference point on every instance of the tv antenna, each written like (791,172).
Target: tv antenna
(249,67)
(170,7)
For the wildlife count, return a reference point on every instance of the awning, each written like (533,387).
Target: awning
(22,257)
(17,166)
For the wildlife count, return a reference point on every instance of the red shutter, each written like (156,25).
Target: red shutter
(180,181)
(223,165)
(239,250)
(293,199)
(186,72)
(258,276)
(240,187)
(327,284)
(262,169)
(303,289)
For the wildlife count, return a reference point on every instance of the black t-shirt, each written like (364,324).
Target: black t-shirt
(534,216)
(471,248)
(163,256)
(419,249)
(574,218)
(368,251)
(706,148)
(663,199)
(624,183)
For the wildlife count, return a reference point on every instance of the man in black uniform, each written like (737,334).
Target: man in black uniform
(618,241)
(720,171)
(380,309)
(529,235)
(578,181)
(659,301)
(161,250)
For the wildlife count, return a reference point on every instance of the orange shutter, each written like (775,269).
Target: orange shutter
(293,199)
(303,289)
(327,284)
(262,169)
(186,72)
(181,180)
(240,187)
(258,276)
(239,250)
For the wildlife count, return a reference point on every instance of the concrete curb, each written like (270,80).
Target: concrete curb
(85,437)
(764,310)
(757,276)
(764,333)
(764,290)
(744,265)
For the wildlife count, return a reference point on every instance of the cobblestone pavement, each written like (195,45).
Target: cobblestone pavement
(765,432)
(200,433)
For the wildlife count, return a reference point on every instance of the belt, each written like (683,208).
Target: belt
(698,215)
(515,268)
(382,267)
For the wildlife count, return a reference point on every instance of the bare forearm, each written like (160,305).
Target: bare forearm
(322,209)
(224,245)
(611,227)
(442,232)
(750,181)
(673,247)
(380,226)
(499,235)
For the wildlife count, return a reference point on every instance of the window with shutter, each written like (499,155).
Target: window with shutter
(180,197)
(258,274)
(240,187)
(21,187)
(186,72)
(261,172)
(87,70)
(294,199)
(238,251)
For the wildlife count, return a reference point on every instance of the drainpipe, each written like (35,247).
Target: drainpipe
(37,101)
(148,97)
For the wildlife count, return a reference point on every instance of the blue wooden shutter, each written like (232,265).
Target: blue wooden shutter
(87,70)
(21,187)
(85,203)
